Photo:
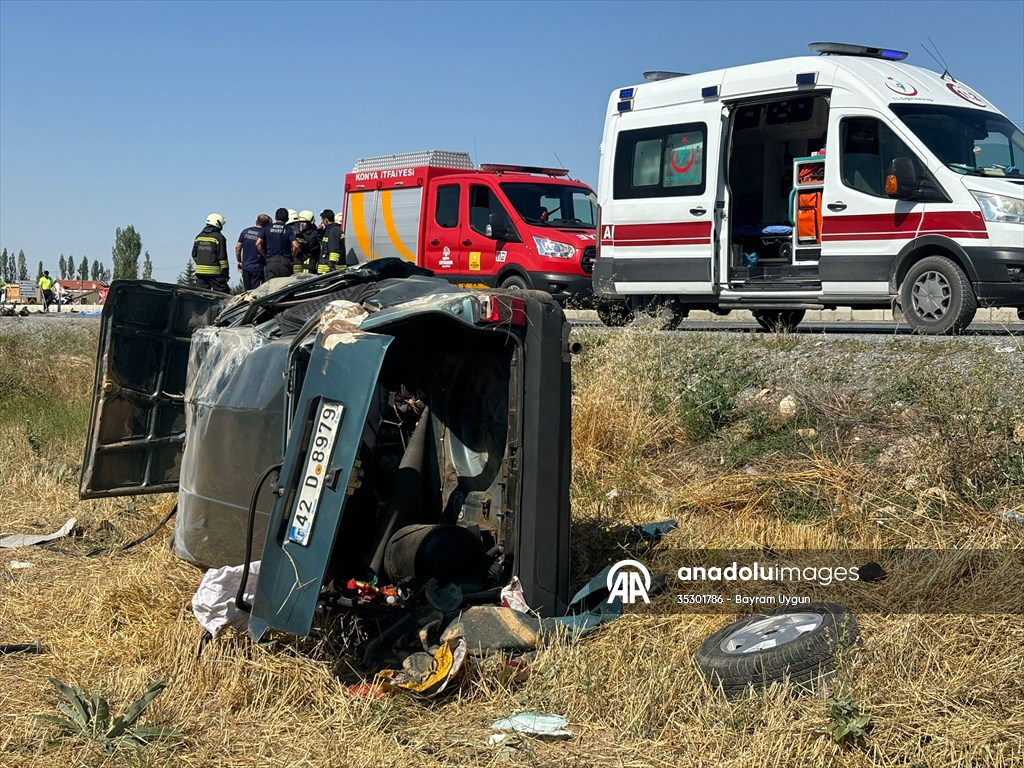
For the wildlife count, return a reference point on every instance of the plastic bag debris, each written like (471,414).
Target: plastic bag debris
(539,724)
(214,602)
(16,540)
(512,596)
(19,565)
(445,668)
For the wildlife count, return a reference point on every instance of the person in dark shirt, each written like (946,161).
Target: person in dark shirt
(210,254)
(250,255)
(330,243)
(309,243)
(280,246)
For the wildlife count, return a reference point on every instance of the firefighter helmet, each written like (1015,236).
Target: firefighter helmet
(293,216)
(215,220)
(306,216)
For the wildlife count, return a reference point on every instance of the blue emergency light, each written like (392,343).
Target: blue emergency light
(849,49)
(626,93)
(709,92)
(806,78)
(625,105)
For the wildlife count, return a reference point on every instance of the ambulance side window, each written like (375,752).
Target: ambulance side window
(868,148)
(447,212)
(665,161)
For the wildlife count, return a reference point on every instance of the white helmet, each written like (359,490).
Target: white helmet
(306,216)
(215,220)
(293,216)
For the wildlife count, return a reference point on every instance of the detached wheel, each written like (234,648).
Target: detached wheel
(937,297)
(778,319)
(798,643)
(614,314)
(514,283)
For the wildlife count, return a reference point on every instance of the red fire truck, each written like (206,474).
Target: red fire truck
(504,226)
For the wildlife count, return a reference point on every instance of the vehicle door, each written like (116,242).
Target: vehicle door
(442,248)
(316,479)
(665,186)
(137,428)
(863,229)
(479,264)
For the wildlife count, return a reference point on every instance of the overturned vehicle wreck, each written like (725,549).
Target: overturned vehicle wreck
(376,437)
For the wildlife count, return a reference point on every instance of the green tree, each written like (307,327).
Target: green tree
(5,271)
(22,266)
(83,269)
(96,273)
(126,250)
(70,273)
(147,268)
(63,265)
(39,272)
(12,266)
(188,277)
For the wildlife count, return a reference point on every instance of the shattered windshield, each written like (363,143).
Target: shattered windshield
(553,205)
(966,140)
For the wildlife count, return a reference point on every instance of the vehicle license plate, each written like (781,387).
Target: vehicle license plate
(311,483)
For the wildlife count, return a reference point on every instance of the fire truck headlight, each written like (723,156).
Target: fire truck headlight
(1007,210)
(553,248)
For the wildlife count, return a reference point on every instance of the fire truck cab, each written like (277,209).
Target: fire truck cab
(506,226)
(846,179)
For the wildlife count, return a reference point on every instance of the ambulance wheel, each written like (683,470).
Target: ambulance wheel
(1020,313)
(663,313)
(937,298)
(795,643)
(614,314)
(780,320)
(514,283)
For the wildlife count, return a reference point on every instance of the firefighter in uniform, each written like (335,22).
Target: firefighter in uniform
(210,254)
(309,243)
(280,245)
(330,244)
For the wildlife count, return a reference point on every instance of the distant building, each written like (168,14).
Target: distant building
(82,291)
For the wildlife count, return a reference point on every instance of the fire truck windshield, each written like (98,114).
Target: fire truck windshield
(966,140)
(553,205)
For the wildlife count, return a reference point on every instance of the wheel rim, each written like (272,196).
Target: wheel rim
(771,632)
(932,295)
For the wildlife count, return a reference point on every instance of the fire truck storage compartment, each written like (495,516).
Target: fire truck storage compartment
(765,139)
(436,498)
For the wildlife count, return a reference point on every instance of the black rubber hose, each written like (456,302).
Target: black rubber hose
(250,523)
(124,547)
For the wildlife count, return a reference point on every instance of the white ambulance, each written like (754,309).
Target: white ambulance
(843,179)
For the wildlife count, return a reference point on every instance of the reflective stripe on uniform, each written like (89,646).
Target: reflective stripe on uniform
(322,269)
(208,269)
(207,240)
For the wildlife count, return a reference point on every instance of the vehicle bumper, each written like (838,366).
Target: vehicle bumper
(1000,275)
(575,288)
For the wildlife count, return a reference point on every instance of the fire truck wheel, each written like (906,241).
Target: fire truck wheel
(514,283)
(781,320)
(798,643)
(614,314)
(937,297)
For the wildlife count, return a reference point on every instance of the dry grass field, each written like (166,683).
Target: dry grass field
(908,444)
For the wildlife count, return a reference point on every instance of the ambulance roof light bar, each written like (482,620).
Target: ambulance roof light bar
(502,168)
(849,49)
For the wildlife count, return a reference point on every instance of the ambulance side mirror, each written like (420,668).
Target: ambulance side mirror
(902,182)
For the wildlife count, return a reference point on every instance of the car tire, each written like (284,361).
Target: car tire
(778,320)
(1020,313)
(514,283)
(937,298)
(798,643)
(614,314)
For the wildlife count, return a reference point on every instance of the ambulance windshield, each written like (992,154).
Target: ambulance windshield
(967,140)
(552,205)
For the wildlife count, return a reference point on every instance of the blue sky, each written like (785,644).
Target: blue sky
(157,113)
